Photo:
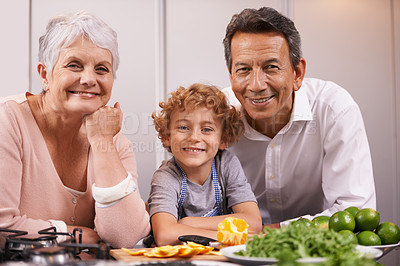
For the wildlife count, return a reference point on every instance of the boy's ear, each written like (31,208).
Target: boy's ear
(222,146)
(165,141)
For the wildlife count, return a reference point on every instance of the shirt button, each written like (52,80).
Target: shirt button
(72,219)
(272,146)
(74,200)
(271,177)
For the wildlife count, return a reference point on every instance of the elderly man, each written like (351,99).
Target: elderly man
(305,150)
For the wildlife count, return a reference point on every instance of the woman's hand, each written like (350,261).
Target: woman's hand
(89,236)
(101,127)
(103,124)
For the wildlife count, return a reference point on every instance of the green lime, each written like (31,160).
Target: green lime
(367,219)
(388,232)
(321,222)
(349,236)
(353,210)
(368,238)
(303,221)
(342,220)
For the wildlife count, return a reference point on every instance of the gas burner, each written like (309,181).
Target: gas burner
(51,255)
(43,248)
(23,242)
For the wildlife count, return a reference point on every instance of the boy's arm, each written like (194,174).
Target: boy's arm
(247,211)
(166,229)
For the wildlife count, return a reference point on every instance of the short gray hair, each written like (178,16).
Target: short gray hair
(265,19)
(62,30)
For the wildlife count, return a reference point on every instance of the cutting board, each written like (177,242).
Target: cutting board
(121,255)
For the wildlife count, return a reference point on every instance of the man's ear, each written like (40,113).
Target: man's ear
(42,70)
(299,73)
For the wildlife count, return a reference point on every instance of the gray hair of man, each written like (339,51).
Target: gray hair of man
(265,19)
(62,30)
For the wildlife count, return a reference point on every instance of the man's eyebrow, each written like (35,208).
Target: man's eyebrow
(240,64)
(272,60)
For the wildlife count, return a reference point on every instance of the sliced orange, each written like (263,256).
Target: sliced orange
(187,251)
(163,251)
(232,231)
(150,254)
(203,249)
(214,252)
(168,249)
(194,244)
(137,252)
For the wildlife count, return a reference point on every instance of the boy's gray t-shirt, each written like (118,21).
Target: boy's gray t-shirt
(200,199)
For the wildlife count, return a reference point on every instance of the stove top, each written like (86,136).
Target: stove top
(43,249)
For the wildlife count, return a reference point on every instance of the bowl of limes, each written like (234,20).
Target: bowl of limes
(363,226)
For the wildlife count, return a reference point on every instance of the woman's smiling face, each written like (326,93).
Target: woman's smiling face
(81,80)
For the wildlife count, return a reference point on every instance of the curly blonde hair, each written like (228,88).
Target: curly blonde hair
(200,95)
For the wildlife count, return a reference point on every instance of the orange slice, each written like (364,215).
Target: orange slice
(232,231)
(138,252)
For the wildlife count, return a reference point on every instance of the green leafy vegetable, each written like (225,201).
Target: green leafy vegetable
(302,241)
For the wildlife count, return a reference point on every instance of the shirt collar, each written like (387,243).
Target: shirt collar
(301,112)
(250,132)
(301,107)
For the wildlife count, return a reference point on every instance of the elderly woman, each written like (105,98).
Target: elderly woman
(64,161)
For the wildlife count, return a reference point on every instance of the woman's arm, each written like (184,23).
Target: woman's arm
(89,236)
(125,221)
(16,145)
(101,127)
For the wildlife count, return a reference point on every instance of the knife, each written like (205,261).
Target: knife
(202,240)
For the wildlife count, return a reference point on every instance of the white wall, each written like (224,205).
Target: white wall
(351,43)
(194,33)
(14,47)
(168,43)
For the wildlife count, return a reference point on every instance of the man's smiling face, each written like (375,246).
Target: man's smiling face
(262,76)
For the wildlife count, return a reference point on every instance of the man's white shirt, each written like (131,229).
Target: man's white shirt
(317,164)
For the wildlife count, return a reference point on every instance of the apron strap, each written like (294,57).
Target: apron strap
(183,190)
(217,210)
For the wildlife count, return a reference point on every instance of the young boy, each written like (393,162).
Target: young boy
(203,183)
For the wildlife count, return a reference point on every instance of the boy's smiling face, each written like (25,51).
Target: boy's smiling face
(195,137)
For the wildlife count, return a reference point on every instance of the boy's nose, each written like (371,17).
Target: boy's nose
(194,135)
